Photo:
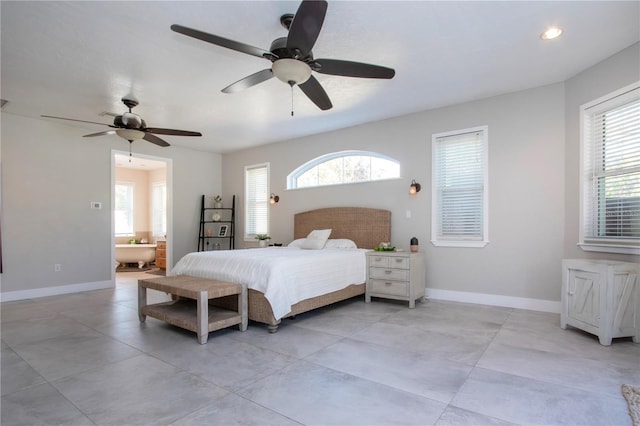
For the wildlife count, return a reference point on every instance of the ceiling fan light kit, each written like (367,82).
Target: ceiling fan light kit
(291,71)
(291,56)
(130,134)
(131,127)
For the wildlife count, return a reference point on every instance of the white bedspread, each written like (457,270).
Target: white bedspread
(285,275)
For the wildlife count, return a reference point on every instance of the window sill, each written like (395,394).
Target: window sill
(610,248)
(469,244)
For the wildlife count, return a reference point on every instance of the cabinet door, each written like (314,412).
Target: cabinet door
(584,296)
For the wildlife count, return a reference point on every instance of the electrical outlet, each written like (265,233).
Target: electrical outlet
(97,205)
(57,267)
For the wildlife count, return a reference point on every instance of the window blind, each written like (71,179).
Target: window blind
(459,187)
(159,209)
(123,210)
(612,165)
(257,200)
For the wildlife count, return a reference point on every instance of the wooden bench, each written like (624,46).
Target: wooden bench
(190,309)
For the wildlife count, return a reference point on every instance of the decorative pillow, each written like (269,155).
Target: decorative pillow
(340,243)
(297,243)
(316,239)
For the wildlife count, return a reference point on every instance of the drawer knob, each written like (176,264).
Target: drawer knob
(387,284)
(388,272)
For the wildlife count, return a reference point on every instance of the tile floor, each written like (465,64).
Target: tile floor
(86,359)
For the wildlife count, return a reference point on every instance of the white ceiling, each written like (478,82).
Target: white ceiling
(78,59)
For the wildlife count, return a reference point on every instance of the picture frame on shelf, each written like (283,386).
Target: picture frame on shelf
(222,232)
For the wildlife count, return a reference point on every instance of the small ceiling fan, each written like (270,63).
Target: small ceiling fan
(132,127)
(291,56)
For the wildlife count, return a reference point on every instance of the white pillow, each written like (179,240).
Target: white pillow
(297,243)
(340,243)
(316,239)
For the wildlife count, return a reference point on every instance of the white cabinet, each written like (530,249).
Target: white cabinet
(601,297)
(395,275)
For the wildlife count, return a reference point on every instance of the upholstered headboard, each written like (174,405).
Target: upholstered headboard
(365,226)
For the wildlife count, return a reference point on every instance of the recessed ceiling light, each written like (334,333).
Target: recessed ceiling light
(551,33)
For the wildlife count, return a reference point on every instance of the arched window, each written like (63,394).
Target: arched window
(343,167)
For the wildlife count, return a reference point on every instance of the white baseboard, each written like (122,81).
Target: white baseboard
(54,291)
(495,300)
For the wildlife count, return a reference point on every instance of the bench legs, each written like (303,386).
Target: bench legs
(142,302)
(243,307)
(203,317)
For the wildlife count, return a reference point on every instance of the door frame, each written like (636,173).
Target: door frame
(169,172)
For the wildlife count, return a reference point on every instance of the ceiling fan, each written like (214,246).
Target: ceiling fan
(132,127)
(291,56)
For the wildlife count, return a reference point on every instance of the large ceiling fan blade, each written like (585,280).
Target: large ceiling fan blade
(154,139)
(316,93)
(221,41)
(352,69)
(306,26)
(72,119)
(108,132)
(174,132)
(249,81)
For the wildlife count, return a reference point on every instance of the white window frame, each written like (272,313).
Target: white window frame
(131,212)
(294,175)
(589,242)
(459,241)
(251,205)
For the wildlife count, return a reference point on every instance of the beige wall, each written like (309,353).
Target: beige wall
(143,181)
(141,197)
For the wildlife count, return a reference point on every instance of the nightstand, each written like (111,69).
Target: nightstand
(398,275)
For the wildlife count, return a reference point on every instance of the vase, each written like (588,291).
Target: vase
(263,243)
(217,205)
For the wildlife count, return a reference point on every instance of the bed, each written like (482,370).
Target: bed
(366,227)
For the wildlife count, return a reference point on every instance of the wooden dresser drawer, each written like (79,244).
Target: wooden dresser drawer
(161,254)
(389,274)
(391,288)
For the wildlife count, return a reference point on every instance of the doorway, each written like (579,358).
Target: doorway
(151,179)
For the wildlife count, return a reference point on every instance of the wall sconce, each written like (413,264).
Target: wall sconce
(273,199)
(415,187)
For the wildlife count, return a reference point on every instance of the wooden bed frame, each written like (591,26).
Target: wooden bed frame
(365,226)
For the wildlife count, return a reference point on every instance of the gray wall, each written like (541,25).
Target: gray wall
(534,142)
(50,174)
(526,191)
(616,72)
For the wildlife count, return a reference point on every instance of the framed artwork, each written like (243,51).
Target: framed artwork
(222,232)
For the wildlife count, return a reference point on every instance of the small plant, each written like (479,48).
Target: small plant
(217,199)
(262,237)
